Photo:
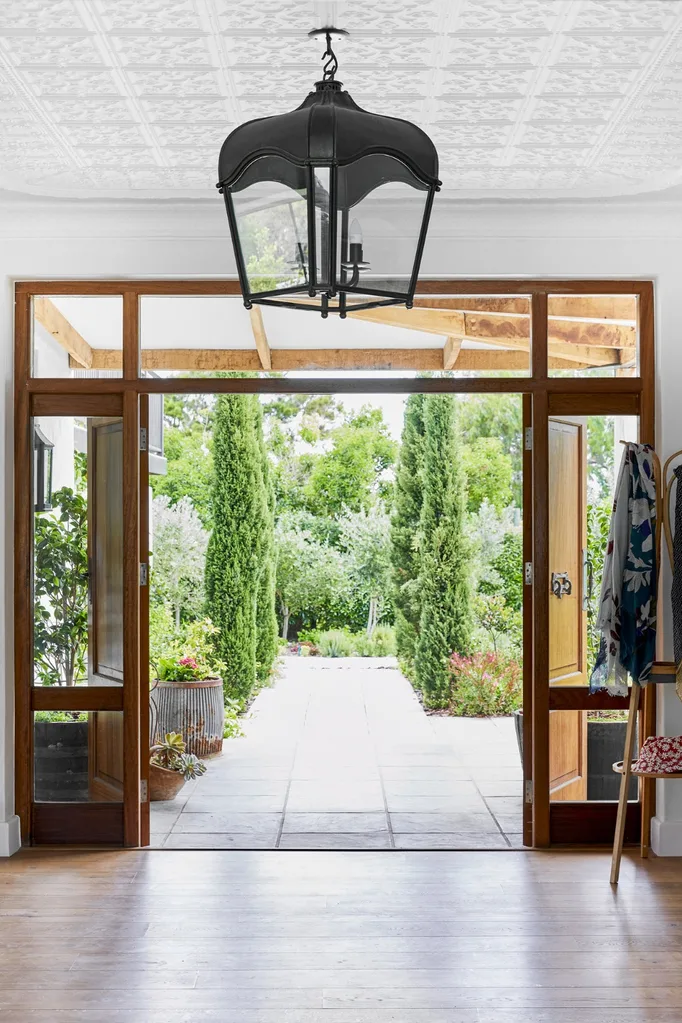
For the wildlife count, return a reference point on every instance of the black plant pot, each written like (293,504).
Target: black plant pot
(605,745)
(61,761)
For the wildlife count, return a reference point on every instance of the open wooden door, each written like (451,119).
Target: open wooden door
(105,610)
(567,616)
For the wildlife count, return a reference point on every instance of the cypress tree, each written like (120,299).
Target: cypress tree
(266,615)
(445,623)
(405,528)
(234,548)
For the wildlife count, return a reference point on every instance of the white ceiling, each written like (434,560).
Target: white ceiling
(540,98)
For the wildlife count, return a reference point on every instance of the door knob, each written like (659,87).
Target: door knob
(561,584)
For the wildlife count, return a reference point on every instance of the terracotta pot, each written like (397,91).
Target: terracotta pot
(164,784)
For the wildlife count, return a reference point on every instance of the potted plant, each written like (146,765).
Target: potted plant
(170,766)
(187,694)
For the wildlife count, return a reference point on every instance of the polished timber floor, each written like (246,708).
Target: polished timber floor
(339,754)
(338,937)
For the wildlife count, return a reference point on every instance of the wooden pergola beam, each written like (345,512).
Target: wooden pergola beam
(286,359)
(56,324)
(588,307)
(499,327)
(260,337)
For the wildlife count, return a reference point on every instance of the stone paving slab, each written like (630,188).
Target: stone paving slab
(339,754)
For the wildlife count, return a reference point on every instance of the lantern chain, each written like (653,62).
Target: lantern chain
(331,65)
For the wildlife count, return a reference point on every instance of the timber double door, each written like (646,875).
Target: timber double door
(574,350)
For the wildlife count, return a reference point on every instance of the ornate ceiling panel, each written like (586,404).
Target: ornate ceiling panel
(132,98)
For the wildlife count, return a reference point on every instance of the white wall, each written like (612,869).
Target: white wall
(629,239)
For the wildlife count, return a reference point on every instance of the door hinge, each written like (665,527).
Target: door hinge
(144,573)
(528,792)
(144,790)
(528,438)
(528,573)
(143,438)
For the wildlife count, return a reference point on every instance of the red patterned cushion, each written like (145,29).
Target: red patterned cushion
(660,754)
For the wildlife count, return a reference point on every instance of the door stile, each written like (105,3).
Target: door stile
(527,500)
(23,562)
(144,625)
(131,620)
(540,706)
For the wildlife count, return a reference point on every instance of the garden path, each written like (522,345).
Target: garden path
(338,754)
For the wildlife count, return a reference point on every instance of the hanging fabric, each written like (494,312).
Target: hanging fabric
(676,588)
(627,605)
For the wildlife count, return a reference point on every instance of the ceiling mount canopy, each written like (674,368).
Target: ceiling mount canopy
(297,187)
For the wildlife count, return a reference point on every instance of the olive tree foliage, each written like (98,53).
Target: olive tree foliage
(366,539)
(179,544)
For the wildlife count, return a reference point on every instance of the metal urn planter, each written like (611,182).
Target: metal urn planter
(194,709)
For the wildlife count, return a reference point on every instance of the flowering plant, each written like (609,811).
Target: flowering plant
(484,685)
(194,658)
(169,753)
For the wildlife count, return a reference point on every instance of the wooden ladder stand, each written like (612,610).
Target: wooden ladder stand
(662,672)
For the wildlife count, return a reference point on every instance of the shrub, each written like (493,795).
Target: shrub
(382,643)
(485,685)
(336,643)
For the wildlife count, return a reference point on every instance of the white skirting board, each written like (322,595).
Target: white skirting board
(666,836)
(10,836)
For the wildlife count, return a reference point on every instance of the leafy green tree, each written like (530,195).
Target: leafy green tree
(351,474)
(405,557)
(497,619)
(600,455)
(488,473)
(508,568)
(234,553)
(266,615)
(499,416)
(366,537)
(189,472)
(445,623)
(310,573)
(61,590)
(598,524)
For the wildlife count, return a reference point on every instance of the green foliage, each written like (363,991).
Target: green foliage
(190,470)
(497,619)
(349,475)
(266,615)
(488,472)
(235,549)
(365,536)
(179,553)
(60,716)
(382,642)
(407,506)
(598,523)
(445,622)
(61,590)
(336,643)
(232,728)
(498,416)
(343,643)
(163,635)
(190,655)
(484,685)
(310,574)
(509,566)
(600,455)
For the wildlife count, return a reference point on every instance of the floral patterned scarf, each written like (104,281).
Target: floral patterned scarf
(627,607)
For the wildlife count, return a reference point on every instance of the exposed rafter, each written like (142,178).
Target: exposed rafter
(260,337)
(56,324)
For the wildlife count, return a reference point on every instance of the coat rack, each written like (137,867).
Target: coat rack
(662,672)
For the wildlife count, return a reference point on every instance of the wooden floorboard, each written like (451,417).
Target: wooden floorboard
(328,937)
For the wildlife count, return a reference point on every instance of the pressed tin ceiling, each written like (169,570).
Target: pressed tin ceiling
(132,98)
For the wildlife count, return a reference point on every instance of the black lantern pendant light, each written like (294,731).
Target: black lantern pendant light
(296,187)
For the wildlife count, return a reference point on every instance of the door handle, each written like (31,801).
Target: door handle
(561,584)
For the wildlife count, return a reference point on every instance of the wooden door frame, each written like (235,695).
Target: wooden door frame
(544,395)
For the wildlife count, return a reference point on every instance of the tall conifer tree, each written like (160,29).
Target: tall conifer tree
(405,528)
(266,615)
(234,549)
(445,622)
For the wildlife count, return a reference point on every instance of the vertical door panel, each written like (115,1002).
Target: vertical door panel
(567,619)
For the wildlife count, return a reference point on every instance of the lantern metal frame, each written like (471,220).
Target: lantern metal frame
(328,131)
(43,464)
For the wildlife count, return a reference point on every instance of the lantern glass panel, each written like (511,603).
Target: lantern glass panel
(389,245)
(272,222)
(322,222)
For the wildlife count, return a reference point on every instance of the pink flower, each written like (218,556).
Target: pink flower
(188,662)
